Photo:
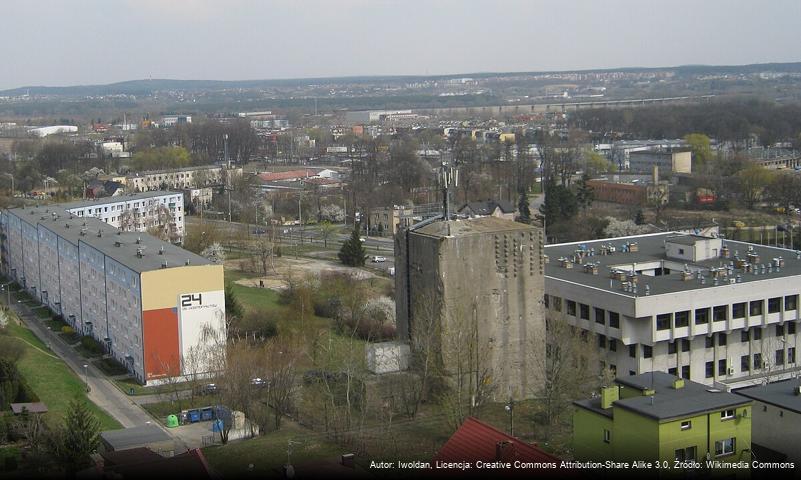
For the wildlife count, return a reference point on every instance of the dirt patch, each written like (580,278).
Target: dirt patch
(298,268)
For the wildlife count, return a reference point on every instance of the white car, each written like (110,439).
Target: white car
(379,259)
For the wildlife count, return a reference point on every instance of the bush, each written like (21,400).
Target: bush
(261,325)
(91,345)
(67,329)
(110,366)
(327,307)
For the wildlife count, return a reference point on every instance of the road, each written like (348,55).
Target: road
(102,392)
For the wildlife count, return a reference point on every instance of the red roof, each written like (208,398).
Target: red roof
(289,175)
(475,440)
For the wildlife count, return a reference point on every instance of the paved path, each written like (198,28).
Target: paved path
(102,392)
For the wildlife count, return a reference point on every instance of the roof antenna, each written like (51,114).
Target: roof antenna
(448,176)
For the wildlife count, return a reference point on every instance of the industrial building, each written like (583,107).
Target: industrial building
(482,281)
(715,311)
(668,161)
(146,301)
(135,212)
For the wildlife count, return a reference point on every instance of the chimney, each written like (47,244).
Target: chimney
(656,175)
(678,383)
(609,395)
(504,451)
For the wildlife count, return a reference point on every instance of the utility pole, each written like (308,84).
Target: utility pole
(228,163)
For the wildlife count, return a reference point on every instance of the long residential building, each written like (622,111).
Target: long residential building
(714,311)
(146,301)
(135,212)
(178,178)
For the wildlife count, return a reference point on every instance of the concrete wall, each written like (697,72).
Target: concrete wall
(777,429)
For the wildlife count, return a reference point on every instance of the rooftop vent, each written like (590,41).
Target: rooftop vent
(161,250)
(187,262)
(66,225)
(138,240)
(99,233)
(139,252)
(117,244)
(164,264)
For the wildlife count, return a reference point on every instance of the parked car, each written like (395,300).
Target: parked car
(258,382)
(208,389)
(379,259)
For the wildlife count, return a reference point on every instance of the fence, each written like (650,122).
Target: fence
(770,235)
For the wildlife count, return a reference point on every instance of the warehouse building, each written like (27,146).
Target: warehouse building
(714,311)
(146,301)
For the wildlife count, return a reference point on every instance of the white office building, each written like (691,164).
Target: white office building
(715,311)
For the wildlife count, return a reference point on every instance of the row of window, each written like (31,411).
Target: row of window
(747,362)
(601,315)
(721,312)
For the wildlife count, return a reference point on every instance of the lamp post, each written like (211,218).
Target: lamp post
(86,376)
(510,408)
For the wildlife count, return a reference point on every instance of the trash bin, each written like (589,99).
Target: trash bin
(172,421)
(206,414)
(216,427)
(194,416)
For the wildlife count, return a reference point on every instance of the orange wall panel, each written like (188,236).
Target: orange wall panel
(161,343)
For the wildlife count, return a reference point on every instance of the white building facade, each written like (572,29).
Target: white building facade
(714,311)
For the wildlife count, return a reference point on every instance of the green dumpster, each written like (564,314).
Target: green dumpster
(172,421)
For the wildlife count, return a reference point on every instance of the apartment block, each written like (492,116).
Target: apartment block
(145,300)
(136,212)
(714,311)
(178,178)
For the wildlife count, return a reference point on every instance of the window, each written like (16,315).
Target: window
(601,341)
(647,351)
(779,330)
(755,308)
(727,414)
(682,319)
(721,339)
(545,301)
(745,336)
(571,308)
(557,304)
(685,345)
(681,251)
(745,363)
(757,360)
(632,373)
(671,347)
(791,355)
(607,436)
(780,356)
(790,328)
(774,305)
(685,372)
(585,311)
(600,316)
(614,319)
(791,302)
(722,367)
(663,321)
(612,345)
(686,425)
(724,447)
(738,310)
(709,342)
(688,453)
(633,350)
(720,313)
(758,333)
(673,371)
(710,369)
(701,316)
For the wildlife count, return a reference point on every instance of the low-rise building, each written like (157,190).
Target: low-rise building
(178,178)
(777,418)
(388,220)
(715,311)
(668,161)
(489,208)
(660,417)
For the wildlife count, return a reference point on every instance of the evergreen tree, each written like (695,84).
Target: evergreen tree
(523,208)
(560,204)
(584,193)
(79,437)
(352,252)
(233,308)
(639,218)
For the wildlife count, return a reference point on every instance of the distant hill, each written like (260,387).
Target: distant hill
(147,87)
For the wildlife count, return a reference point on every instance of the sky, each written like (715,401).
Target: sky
(78,42)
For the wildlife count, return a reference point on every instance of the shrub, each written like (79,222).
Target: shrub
(67,329)
(262,325)
(91,345)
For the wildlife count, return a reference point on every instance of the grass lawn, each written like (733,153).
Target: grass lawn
(51,379)
(268,453)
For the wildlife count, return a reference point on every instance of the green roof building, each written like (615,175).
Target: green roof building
(657,416)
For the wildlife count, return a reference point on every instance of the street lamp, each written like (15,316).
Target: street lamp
(86,376)
(510,409)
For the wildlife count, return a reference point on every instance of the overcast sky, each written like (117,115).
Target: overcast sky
(51,42)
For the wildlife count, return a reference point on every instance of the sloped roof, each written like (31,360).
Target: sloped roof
(475,440)
(289,175)
(487,207)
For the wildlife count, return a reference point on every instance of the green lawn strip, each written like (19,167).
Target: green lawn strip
(268,453)
(51,379)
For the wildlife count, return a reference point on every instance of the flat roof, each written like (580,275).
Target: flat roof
(113,242)
(127,197)
(651,249)
(134,436)
(471,226)
(780,394)
(668,402)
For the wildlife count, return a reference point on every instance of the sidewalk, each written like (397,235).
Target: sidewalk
(102,392)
